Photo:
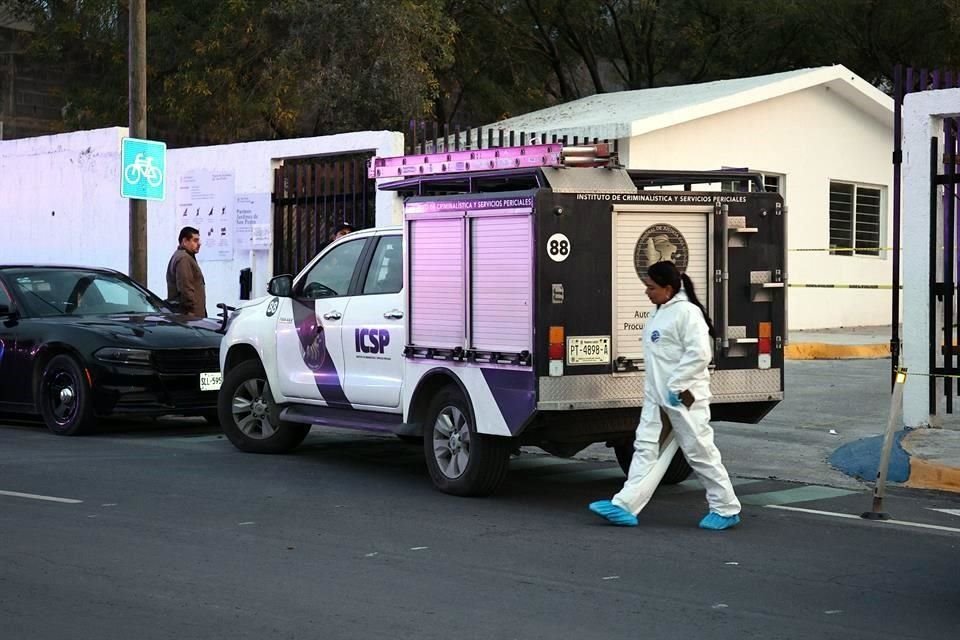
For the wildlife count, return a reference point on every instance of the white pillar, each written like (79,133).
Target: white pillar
(923,115)
(389,205)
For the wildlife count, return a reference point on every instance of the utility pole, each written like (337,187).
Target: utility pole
(137,62)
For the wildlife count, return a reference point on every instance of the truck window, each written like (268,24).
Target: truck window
(331,276)
(386,268)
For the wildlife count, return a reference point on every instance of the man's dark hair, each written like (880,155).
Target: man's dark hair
(347,226)
(187,233)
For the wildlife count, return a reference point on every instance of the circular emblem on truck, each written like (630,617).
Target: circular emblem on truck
(272,306)
(657,243)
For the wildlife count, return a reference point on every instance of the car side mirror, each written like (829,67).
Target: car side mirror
(5,310)
(281,286)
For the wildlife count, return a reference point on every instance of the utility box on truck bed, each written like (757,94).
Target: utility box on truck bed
(516,314)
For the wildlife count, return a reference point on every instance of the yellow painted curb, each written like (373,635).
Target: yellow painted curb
(925,475)
(825,351)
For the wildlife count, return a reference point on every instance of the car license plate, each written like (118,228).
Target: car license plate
(210,381)
(588,350)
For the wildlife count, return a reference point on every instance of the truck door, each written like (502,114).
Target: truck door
(309,348)
(643,235)
(373,330)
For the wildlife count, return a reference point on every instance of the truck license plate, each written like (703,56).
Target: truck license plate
(210,381)
(588,350)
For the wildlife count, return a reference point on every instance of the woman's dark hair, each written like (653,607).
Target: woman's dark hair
(665,274)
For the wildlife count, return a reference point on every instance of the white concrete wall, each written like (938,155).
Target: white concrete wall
(60,200)
(923,115)
(812,137)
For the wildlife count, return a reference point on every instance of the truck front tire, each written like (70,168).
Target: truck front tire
(248,415)
(462,462)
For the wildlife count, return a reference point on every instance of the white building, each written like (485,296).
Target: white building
(823,137)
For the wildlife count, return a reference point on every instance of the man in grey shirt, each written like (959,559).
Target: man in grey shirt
(185,284)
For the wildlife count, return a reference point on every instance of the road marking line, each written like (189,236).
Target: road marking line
(418,548)
(952,512)
(797,494)
(610,578)
(694,485)
(849,516)
(33,496)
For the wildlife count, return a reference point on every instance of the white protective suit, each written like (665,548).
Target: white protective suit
(677,351)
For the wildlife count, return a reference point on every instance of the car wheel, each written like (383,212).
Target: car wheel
(248,415)
(461,461)
(677,471)
(64,397)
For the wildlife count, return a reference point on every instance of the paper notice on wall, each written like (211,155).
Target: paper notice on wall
(253,221)
(206,201)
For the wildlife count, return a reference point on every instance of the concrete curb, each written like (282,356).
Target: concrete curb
(933,456)
(825,351)
(911,462)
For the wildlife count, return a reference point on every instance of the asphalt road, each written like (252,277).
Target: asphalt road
(178,535)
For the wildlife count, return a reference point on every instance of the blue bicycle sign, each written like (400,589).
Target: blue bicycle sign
(143,168)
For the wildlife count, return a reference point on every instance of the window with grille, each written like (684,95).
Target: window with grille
(772,183)
(856,219)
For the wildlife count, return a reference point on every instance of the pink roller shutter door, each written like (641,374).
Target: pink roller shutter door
(436,283)
(501,257)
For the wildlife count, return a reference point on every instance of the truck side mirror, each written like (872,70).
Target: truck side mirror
(281,286)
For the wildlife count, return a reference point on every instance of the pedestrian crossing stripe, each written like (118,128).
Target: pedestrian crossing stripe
(797,494)
(570,471)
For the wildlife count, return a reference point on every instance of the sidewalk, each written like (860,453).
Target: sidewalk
(922,458)
(839,344)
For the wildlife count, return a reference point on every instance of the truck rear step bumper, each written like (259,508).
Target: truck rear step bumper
(606,391)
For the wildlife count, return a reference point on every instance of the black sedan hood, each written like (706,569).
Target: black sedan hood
(150,330)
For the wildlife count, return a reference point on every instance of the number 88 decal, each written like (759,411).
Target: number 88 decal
(558,247)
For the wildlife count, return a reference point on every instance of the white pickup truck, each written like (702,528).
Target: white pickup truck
(506,311)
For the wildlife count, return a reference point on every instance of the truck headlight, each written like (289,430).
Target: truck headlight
(118,355)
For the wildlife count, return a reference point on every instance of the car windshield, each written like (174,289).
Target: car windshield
(74,292)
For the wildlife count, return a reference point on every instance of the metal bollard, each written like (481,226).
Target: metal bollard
(896,398)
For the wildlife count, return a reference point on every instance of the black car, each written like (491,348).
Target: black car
(77,343)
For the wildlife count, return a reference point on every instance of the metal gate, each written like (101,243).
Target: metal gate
(945,267)
(312,197)
(944,355)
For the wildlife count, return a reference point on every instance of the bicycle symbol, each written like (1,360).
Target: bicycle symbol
(142,168)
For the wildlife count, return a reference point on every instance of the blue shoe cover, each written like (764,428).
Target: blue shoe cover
(717,522)
(613,513)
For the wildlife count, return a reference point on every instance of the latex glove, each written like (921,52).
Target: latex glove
(674,399)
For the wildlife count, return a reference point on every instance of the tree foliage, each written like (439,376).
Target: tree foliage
(244,69)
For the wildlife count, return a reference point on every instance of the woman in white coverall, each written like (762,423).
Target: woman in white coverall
(677,349)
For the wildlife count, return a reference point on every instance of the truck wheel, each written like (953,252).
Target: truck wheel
(461,461)
(64,397)
(678,470)
(248,415)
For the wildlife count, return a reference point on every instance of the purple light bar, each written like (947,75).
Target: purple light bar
(540,155)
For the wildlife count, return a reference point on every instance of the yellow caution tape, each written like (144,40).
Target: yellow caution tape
(865,250)
(842,286)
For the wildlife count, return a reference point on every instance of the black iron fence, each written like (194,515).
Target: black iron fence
(422,136)
(312,197)
(944,356)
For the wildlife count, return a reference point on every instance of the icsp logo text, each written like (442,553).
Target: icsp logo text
(371,340)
